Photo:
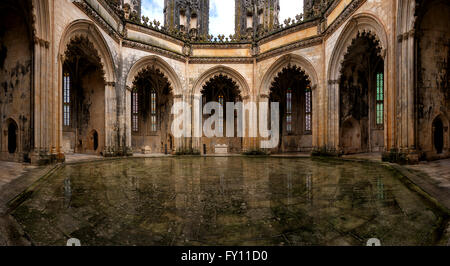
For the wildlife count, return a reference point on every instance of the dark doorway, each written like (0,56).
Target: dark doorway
(12,137)
(438,135)
(95,136)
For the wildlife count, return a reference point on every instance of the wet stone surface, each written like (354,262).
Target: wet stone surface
(226,201)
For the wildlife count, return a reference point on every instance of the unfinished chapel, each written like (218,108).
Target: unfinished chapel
(98,77)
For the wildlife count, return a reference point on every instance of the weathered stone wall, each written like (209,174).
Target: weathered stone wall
(433,74)
(15,81)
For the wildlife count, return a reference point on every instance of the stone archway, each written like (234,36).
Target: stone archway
(158,64)
(83,98)
(222,89)
(13,136)
(438,135)
(291,88)
(361,94)
(238,88)
(295,61)
(359,26)
(93,144)
(151,102)
(84,38)
(234,75)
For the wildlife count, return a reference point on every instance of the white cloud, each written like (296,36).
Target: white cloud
(221,17)
(153,9)
(289,9)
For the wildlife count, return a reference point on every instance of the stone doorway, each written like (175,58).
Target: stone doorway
(83,99)
(438,135)
(12,137)
(362,90)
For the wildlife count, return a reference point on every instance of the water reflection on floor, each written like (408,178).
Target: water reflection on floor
(226,201)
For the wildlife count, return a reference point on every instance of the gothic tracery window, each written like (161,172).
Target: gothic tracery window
(153,111)
(135,111)
(308,109)
(66,99)
(289,110)
(380,100)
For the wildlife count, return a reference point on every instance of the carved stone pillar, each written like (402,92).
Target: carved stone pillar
(333,117)
(43,124)
(405,139)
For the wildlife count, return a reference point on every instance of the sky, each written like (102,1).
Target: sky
(221,13)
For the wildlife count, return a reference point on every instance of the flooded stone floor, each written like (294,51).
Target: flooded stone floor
(226,201)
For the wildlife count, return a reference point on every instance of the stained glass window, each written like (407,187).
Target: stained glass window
(66,99)
(135,112)
(380,99)
(153,110)
(308,109)
(289,110)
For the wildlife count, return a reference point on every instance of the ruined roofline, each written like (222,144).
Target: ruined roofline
(154,27)
(236,38)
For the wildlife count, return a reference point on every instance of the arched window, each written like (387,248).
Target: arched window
(135,111)
(153,111)
(380,100)
(220,99)
(66,99)
(289,110)
(308,109)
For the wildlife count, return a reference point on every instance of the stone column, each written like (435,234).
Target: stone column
(333,116)
(197,122)
(263,98)
(405,140)
(250,142)
(127,119)
(41,153)
(111,127)
(179,143)
(315,127)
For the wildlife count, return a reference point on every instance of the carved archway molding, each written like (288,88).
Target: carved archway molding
(358,24)
(286,61)
(224,71)
(88,30)
(157,63)
(362,23)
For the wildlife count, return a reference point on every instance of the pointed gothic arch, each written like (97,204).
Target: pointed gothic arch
(363,24)
(85,32)
(286,61)
(224,71)
(88,30)
(157,63)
